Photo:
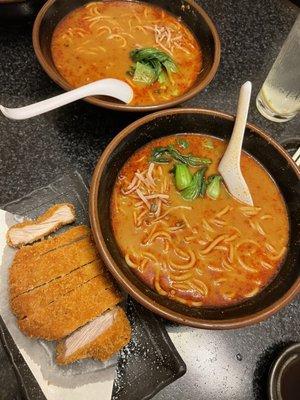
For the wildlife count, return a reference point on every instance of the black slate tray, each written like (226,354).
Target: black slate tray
(150,361)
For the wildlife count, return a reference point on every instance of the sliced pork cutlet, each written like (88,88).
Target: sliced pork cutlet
(30,231)
(99,339)
(72,310)
(34,270)
(29,302)
(64,239)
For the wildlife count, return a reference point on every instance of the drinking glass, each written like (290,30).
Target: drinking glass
(279,97)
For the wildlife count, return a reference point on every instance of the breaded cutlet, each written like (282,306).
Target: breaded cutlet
(72,310)
(29,302)
(30,231)
(99,339)
(52,243)
(36,269)
(59,285)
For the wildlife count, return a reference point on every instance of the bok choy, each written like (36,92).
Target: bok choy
(197,186)
(214,186)
(151,65)
(166,154)
(183,177)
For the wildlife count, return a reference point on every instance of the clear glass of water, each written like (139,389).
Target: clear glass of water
(279,97)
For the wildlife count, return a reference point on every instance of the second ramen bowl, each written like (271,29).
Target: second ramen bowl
(187,10)
(259,144)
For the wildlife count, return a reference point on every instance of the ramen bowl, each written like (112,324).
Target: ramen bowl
(286,284)
(189,13)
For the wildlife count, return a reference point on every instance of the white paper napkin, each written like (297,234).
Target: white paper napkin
(99,389)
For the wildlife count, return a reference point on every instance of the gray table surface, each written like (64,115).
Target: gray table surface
(221,364)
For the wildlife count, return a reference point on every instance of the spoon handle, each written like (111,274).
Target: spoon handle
(106,87)
(230,167)
(236,141)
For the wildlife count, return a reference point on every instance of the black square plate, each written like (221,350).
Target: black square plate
(150,361)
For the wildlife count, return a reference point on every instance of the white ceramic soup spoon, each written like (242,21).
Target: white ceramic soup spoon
(106,87)
(229,166)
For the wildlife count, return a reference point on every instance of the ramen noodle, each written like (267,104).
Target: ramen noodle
(202,251)
(94,42)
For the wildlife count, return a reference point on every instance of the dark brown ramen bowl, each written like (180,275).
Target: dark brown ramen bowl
(269,153)
(188,10)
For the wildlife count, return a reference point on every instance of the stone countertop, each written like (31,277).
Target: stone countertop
(35,152)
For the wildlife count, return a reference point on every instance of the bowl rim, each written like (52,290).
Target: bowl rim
(12,1)
(129,287)
(58,79)
(279,365)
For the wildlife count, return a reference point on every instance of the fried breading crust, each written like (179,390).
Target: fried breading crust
(104,346)
(29,302)
(30,231)
(71,311)
(31,271)
(53,243)
(59,285)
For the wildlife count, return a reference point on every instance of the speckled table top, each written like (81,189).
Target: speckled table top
(225,364)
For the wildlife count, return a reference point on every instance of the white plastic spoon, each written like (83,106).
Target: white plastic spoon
(230,167)
(106,87)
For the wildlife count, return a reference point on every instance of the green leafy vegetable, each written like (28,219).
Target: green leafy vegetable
(208,144)
(153,55)
(183,177)
(203,187)
(151,65)
(166,154)
(160,155)
(189,159)
(162,78)
(170,65)
(182,143)
(213,186)
(144,74)
(197,186)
